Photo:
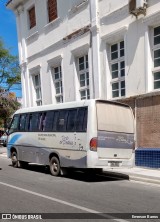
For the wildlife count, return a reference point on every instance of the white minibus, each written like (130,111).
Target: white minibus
(93,134)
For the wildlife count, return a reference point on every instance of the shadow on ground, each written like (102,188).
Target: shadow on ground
(85,176)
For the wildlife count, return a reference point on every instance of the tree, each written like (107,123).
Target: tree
(9,76)
(9,68)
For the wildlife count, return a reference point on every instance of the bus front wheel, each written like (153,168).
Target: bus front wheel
(55,166)
(14,159)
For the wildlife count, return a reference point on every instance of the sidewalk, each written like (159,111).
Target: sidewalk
(136,173)
(3,150)
(147,175)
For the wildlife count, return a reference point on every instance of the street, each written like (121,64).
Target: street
(34,190)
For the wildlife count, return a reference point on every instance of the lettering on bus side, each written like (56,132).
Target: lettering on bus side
(42,136)
(66,141)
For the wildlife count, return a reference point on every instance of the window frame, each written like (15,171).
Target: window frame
(86,87)
(50,18)
(58,96)
(120,79)
(37,88)
(31,26)
(155,70)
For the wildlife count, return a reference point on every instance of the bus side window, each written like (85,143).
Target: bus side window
(22,122)
(62,120)
(48,121)
(40,121)
(81,120)
(14,124)
(30,122)
(43,121)
(55,120)
(34,121)
(71,120)
(27,122)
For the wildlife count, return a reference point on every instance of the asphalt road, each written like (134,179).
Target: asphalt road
(34,190)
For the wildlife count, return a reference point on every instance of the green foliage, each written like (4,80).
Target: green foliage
(9,68)
(7,107)
(9,75)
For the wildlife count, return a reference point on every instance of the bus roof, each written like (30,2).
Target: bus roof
(67,105)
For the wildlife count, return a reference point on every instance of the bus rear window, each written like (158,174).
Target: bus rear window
(115,118)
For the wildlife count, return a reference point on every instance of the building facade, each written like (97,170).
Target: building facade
(82,49)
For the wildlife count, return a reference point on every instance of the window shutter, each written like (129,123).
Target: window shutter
(32,17)
(52,10)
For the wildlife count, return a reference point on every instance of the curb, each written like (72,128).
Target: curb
(144,179)
(134,177)
(117,175)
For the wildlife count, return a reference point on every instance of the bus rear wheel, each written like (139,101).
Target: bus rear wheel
(55,166)
(14,159)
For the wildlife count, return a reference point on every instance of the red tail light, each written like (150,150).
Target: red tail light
(93,144)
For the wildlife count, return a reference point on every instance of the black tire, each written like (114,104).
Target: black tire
(14,159)
(55,166)
(23,164)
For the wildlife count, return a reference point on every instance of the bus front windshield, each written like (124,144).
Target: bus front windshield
(14,125)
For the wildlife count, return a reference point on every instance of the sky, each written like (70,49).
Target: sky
(8,32)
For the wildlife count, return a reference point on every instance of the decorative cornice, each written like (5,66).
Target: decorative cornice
(32,36)
(54,61)
(55,46)
(19,10)
(77,33)
(23,65)
(115,14)
(14,4)
(34,70)
(81,50)
(51,25)
(8,2)
(152,18)
(109,37)
(76,8)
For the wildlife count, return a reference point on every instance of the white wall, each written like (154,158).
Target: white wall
(43,46)
(45,42)
(115,24)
